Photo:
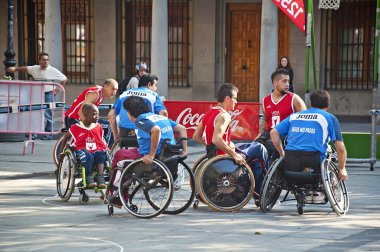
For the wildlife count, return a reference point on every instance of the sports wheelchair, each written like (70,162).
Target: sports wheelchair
(71,169)
(301,183)
(145,191)
(224,185)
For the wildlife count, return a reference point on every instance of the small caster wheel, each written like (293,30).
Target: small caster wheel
(300,209)
(257,202)
(196,203)
(110,210)
(134,208)
(83,199)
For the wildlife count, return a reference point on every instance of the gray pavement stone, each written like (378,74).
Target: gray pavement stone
(32,218)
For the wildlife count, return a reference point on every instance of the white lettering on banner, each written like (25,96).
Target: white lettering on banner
(292,7)
(234,124)
(191,121)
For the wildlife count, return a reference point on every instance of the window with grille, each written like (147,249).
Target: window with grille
(349,45)
(32,24)
(134,35)
(76,35)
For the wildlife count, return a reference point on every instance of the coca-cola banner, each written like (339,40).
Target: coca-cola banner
(244,124)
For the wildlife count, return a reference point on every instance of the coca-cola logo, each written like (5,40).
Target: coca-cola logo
(191,121)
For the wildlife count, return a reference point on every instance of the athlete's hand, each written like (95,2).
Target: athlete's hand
(342,175)
(148,159)
(239,159)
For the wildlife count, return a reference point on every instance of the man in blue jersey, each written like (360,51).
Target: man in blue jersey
(146,90)
(308,134)
(151,129)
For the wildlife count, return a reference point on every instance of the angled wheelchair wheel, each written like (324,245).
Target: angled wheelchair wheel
(224,185)
(58,148)
(271,187)
(335,189)
(115,147)
(146,190)
(65,175)
(183,190)
(195,170)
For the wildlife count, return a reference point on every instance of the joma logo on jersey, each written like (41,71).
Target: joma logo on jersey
(303,116)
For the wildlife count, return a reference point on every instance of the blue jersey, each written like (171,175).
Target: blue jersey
(151,98)
(144,124)
(310,130)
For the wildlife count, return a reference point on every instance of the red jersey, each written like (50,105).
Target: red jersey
(277,111)
(208,124)
(90,138)
(72,112)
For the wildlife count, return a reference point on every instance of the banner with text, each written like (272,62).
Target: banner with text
(294,9)
(244,124)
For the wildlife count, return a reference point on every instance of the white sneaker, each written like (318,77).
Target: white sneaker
(309,197)
(318,197)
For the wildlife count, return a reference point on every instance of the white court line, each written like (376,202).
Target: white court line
(74,236)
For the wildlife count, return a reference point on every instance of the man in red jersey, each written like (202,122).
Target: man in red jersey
(92,95)
(214,130)
(276,107)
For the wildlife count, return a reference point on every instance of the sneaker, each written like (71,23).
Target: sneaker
(309,197)
(90,183)
(154,180)
(318,197)
(101,182)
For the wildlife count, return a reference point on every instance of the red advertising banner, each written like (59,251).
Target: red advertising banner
(294,9)
(244,124)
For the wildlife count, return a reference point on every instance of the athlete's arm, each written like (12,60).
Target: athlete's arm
(90,99)
(197,136)
(113,124)
(155,134)
(221,123)
(299,104)
(181,131)
(276,139)
(263,125)
(342,157)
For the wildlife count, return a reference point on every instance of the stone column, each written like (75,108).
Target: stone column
(268,46)
(53,33)
(160,44)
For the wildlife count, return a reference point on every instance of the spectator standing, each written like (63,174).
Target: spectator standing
(44,72)
(285,64)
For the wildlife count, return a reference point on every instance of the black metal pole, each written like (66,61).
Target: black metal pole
(9,53)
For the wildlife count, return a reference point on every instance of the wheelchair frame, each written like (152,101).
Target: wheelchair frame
(334,189)
(69,169)
(181,191)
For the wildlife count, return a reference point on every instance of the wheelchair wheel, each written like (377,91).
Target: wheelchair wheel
(184,190)
(195,170)
(335,189)
(65,175)
(223,185)
(271,187)
(144,188)
(59,147)
(115,147)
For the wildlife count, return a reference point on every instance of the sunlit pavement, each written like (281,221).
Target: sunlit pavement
(32,218)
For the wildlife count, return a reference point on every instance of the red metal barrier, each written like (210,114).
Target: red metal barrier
(22,107)
(245,117)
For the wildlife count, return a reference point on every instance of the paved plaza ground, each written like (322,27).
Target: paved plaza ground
(33,218)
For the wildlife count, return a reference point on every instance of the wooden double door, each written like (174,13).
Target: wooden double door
(243,47)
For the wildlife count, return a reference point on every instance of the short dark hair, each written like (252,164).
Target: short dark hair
(277,73)
(226,90)
(146,79)
(135,106)
(88,108)
(42,54)
(320,99)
